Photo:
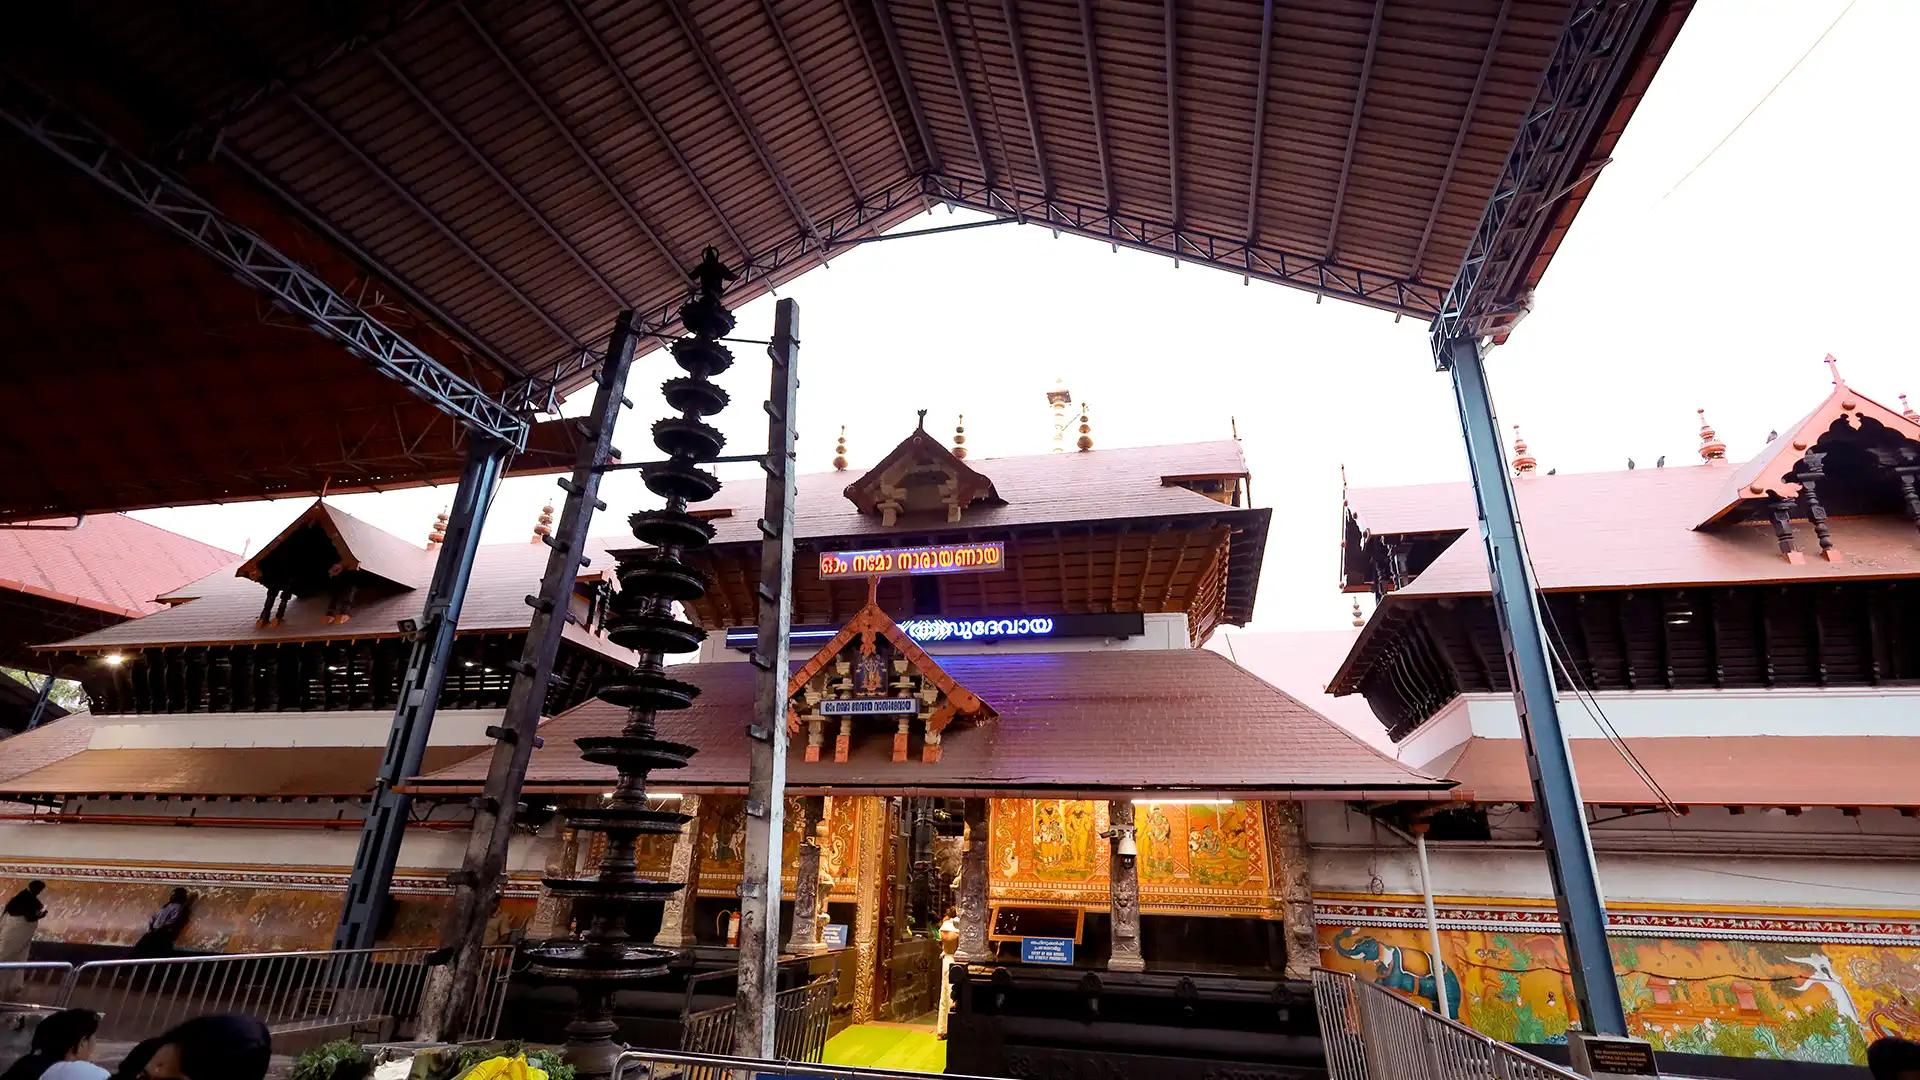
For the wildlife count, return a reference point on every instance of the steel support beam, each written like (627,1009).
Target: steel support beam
(420,687)
(1172,42)
(171,204)
(806,91)
(767,730)
(1570,108)
(891,36)
(646,112)
(951,43)
(453,989)
(1018,42)
(1516,606)
(1259,138)
(1231,253)
(1097,99)
(1460,136)
(1353,126)
(879,87)
(40,699)
(711,64)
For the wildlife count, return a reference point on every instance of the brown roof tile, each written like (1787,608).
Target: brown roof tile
(274,771)
(1068,722)
(23,753)
(1736,770)
(111,563)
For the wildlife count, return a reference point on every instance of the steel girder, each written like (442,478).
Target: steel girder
(1543,167)
(170,203)
(1231,253)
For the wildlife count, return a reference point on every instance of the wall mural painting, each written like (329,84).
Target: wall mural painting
(237,918)
(1193,856)
(1791,1001)
(723,843)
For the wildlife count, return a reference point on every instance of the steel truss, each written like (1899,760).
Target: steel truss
(1234,254)
(1572,102)
(770,266)
(168,202)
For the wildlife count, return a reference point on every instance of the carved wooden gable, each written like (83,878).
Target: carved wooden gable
(920,476)
(870,677)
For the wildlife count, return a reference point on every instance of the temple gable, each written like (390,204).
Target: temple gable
(920,477)
(872,675)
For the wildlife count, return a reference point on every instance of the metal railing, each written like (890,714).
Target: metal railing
(371,992)
(680,1065)
(1372,1033)
(800,1020)
(34,983)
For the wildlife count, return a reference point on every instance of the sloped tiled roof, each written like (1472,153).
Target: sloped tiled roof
(111,563)
(361,547)
(1076,722)
(266,771)
(44,745)
(1038,489)
(1721,770)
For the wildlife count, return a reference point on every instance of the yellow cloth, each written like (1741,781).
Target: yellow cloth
(505,1068)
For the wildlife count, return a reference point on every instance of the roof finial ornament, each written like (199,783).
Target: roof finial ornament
(1523,462)
(840,451)
(544,527)
(1711,448)
(1833,366)
(1906,410)
(922,426)
(960,437)
(438,534)
(1085,441)
(1233,424)
(1058,399)
(1358,619)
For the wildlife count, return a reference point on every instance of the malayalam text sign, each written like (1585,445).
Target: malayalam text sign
(869,706)
(987,555)
(1046,950)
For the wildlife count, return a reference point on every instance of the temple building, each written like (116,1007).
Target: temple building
(1738,648)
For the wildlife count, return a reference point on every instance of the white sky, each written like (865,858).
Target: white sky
(1794,240)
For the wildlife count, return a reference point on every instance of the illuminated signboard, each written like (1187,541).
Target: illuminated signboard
(895,562)
(934,630)
(870,706)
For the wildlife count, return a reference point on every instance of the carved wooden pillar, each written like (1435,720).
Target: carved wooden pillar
(972,898)
(1287,869)
(1781,510)
(869,896)
(808,934)
(1809,478)
(1123,878)
(1909,477)
(552,914)
(677,925)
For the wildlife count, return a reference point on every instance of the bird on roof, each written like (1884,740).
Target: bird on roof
(1661,463)
(1629,463)
(1772,435)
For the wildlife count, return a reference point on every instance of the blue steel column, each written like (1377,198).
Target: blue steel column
(1516,606)
(426,673)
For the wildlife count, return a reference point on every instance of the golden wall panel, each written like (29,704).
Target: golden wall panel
(1195,858)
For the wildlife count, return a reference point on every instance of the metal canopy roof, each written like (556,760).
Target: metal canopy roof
(507,175)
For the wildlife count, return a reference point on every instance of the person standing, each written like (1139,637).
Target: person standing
(949,944)
(164,928)
(21,917)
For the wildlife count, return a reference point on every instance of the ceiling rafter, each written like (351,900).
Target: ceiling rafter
(703,52)
(1172,41)
(879,87)
(1460,137)
(950,41)
(1260,119)
(487,166)
(1353,126)
(1097,99)
(319,119)
(806,91)
(891,36)
(646,112)
(1017,40)
(553,120)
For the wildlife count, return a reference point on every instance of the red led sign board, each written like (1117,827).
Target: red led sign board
(895,562)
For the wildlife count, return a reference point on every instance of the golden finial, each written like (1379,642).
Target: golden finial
(543,527)
(1085,441)
(960,437)
(1058,399)
(1906,410)
(1711,448)
(840,451)
(1523,462)
(1358,619)
(438,534)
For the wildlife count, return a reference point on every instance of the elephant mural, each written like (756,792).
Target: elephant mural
(1391,970)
